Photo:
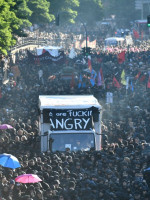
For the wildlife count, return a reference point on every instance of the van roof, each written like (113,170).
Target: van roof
(68,102)
(115,38)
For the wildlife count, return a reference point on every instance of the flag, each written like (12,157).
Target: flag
(88,40)
(132,88)
(116,83)
(137,76)
(92,44)
(123,80)
(80,81)
(83,85)
(136,34)
(72,83)
(148,84)
(77,45)
(83,44)
(100,78)
(142,78)
(93,76)
(121,57)
(89,63)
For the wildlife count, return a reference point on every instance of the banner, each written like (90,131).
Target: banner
(45,58)
(79,119)
(89,44)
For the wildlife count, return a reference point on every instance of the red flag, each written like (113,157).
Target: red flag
(148,84)
(136,34)
(116,83)
(89,63)
(142,78)
(142,33)
(72,84)
(137,76)
(101,72)
(100,78)
(121,57)
(99,60)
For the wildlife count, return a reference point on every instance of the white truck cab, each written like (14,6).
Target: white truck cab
(69,122)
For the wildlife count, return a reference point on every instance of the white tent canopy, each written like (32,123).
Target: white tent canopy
(53,50)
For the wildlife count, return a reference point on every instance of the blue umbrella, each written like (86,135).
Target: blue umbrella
(8,160)
(11,74)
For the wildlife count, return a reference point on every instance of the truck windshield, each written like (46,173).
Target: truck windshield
(74,142)
(110,43)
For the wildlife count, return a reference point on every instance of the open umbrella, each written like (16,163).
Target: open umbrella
(10,161)
(28,178)
(5,126)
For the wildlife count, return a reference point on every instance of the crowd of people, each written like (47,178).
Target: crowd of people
(117,172)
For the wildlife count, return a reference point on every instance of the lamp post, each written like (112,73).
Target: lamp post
(57,23)
(85,33)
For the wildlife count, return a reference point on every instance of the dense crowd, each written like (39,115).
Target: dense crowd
(115,172)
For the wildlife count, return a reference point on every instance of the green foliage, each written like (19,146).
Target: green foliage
(90,11)
(40,11)
(8,21)
(66,9)
(23,12)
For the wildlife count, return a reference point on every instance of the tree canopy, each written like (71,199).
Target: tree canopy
(8,23)
(66,8)
(90,11)
(40,11)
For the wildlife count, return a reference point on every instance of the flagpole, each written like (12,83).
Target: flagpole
(127,84)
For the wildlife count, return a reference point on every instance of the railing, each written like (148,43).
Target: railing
(40,41)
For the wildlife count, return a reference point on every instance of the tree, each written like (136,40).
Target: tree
(66,9)
(22,13)
(90,11)
(40,11)
(8,22)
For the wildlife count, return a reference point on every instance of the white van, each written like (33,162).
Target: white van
(114,41)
